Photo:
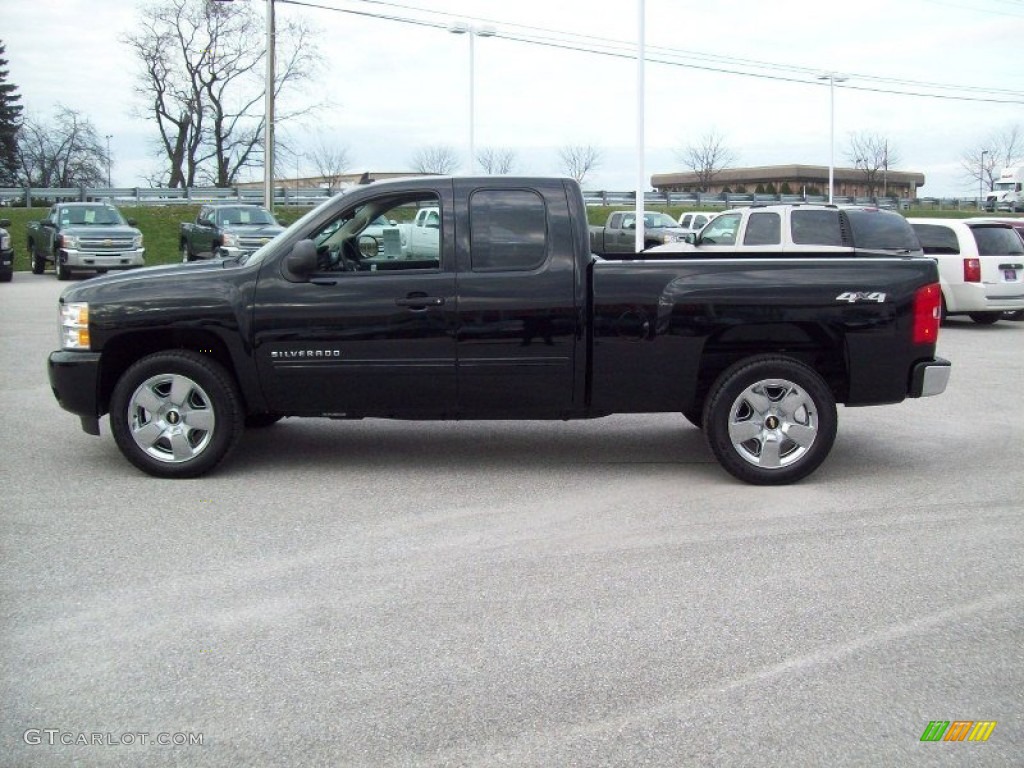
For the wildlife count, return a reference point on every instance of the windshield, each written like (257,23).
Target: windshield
(243,216)
(1003,186)
(654,220)
(90,215)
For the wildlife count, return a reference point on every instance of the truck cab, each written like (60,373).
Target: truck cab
(1007,194)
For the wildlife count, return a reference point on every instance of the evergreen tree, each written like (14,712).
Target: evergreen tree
(10,122)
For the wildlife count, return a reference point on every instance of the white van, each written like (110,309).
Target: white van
(981,265)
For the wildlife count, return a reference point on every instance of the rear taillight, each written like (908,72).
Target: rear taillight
(972,270)
(927,314)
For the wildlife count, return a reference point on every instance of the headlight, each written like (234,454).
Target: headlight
(5,241)
(68,241)
(138,240)
(229,240)
(74,325)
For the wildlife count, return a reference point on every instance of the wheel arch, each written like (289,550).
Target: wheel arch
(123,351)
(807,343)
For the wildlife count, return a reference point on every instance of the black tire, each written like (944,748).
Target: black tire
(985,318)
(186,254)
(38,262)
(770,420)
(176,414)
(1014,314)
(60,270)
(6,277)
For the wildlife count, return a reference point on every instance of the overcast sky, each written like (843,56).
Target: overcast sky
(396,87)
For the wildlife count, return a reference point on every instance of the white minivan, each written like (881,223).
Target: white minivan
(981,265)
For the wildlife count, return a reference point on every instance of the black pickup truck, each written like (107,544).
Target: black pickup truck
(513,318)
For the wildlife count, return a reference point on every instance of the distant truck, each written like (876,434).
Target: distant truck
(223,231)
(618,235)
(79,237)
(1007,194)
(6,253)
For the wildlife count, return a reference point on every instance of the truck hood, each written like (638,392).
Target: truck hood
(146,278)
(97,231)
(255,230)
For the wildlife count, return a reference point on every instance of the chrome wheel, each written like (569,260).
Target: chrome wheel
(171,418)
(770,420)
(773,423)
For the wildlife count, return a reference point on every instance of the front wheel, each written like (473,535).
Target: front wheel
(60,270)
(176,414)
(38,262)
(985,318)
(770,420)
(186,255)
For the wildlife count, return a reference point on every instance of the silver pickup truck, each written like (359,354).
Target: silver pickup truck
(78,237)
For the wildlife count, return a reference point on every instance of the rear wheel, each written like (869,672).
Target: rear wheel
(176,414)
(985,318)
(770,420)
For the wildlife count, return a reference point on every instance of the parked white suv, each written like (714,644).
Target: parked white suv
(981,265)
(799,228)
(694,221)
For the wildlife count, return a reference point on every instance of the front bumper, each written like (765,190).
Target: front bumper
(930,377)
(7,261)
(93,260)
(75,381)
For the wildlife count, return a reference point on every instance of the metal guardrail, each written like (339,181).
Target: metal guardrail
(316,195)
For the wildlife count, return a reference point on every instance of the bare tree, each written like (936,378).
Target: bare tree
(330,161)
(65,153)
(203,83)
(438,159)
(496,161)
(873,155)
(1002,149)
(578,160)
(707,158)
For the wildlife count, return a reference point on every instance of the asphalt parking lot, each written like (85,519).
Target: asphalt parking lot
(526,594)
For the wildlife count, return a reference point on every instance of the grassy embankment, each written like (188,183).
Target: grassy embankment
(160,225)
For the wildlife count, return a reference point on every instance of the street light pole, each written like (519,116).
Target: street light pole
(832,78)
(109,185)
(461,28)
(268,136)
(981,177)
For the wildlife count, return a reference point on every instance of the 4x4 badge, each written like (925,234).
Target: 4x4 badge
(854,296)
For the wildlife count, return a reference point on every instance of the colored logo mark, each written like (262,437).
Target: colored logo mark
(958,730)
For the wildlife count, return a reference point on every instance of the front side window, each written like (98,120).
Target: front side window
(508,230)
(763,229)
(396,232)
(722,230)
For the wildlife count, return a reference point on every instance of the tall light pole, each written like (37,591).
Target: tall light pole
(638,235)
(268,136)
(832,78)
(461,28)
(109,135)
(981,177)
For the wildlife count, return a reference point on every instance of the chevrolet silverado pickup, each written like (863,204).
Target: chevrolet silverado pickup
(77,237)
(512,318)
(225,231)
(618,235)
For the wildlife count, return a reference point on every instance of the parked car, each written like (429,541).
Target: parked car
(6,253)
(694,221)
(84,237)
(802,228)
(224,231)
(981,265)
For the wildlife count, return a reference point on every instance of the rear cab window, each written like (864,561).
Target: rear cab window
(936,238)
(508,230)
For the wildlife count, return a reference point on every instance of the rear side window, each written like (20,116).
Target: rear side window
(508,230)
(997,241)
(936,238)
(763,229)
(817,228)
(880,230)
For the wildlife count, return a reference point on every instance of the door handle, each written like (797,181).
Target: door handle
(420,302)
